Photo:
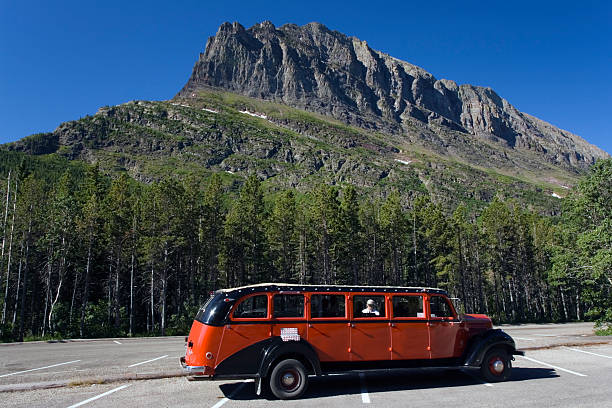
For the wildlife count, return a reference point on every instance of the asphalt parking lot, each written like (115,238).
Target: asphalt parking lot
(565,366)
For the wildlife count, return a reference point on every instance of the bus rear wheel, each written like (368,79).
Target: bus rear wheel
(288,379)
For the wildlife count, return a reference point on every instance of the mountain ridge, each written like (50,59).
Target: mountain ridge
(314,68)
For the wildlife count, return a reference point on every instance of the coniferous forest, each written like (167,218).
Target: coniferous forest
(86,255)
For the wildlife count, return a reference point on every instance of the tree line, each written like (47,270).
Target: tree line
(89,256)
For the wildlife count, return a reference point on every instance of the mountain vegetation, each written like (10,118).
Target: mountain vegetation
(291,148)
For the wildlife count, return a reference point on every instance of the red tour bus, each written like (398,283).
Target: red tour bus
(279,334)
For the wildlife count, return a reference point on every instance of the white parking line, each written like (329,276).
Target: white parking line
(116,341)
(548,335)
(522,338)
(588,352)
(555,367)
(39,368)
(148,361)
(236,391)
(99,396)
(365,397)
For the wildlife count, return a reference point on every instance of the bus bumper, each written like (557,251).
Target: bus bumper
(196,370)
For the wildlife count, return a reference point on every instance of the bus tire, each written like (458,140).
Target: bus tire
(288,379)
(496,365)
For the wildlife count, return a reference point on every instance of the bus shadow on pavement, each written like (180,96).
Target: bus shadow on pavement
(430,379)
(385,381)
(523,373)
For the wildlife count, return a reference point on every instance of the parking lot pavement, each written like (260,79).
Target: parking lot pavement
(567,376)
(153,393)
(535,336)
(532,384)
(76,361)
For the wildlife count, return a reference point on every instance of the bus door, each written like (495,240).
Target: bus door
(370,337)
(408,327)
(249,323)
(289,316)
(328,331)
(444,328)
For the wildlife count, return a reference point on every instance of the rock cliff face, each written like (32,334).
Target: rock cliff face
(324,71)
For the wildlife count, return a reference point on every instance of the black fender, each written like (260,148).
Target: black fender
(485,342)
(300,350)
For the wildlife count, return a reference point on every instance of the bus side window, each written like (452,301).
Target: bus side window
(368,306)
(288,306)
(439,307)
(408,306)
(327,306)
(252,307)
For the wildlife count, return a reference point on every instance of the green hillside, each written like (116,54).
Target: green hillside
(291,148)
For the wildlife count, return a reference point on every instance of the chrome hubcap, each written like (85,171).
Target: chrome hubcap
(288,379)
(498,366)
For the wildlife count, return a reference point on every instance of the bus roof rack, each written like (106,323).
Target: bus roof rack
(273,287)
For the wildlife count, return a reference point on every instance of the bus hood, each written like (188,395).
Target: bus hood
(478,321)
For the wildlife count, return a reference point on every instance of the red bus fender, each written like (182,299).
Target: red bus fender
(280,350)
(485,342)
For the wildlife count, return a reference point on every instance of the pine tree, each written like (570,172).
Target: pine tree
(190,257)
(170,201)
(283,239)
(372,239)
(211,233)
(58,240)
(585,255)
(349,238)
(499,240)
(89,228)
(243,258)
(440,241)
(118,222)
(325,211)
(394,229)
(30,208)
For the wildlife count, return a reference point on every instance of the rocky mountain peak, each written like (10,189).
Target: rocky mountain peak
(314,68)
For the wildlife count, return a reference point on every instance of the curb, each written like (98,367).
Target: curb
(87,381)
(569,344)
(126,339)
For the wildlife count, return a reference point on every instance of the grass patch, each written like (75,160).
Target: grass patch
(47,337)
(603,329)
(85,383)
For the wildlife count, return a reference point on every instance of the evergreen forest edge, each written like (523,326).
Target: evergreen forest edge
(87,255)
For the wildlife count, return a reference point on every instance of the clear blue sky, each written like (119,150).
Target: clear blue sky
(61,60)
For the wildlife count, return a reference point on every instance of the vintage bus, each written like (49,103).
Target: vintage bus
(279,334)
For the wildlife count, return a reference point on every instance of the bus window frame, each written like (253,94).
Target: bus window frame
(281,319)
(409,318)
(448,302)
(317,319)
(247,319)
(369,318)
